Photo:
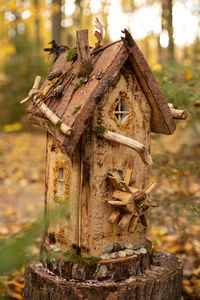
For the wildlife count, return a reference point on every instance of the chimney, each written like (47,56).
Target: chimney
(83,50)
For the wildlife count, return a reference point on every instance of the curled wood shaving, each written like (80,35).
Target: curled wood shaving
(98,32)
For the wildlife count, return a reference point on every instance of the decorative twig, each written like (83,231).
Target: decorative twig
(133,144)
(34,95)
(48,95)
(178,113)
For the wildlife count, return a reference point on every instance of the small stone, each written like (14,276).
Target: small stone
(129,252)
(128,246)
(56,249)
(137,246)
(52,247)
(122,254)
(105,256)
(103,272)
(114,255)
(122,246)
(108,248)
(78,272)
(116,247)
(137,252)
(143,251)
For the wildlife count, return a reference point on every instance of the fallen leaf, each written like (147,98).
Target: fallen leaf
(18,296)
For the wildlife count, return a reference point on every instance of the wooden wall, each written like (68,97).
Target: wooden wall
(62,228)
(100,155)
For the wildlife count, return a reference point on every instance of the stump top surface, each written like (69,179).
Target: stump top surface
(162,281)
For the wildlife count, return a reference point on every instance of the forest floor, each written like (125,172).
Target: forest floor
(174,225)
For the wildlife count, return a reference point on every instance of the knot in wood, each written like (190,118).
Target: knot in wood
(54,74)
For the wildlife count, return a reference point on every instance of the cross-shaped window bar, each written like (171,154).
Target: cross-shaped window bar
(121,111)
(60,182)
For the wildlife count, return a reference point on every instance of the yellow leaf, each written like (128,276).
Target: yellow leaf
(196,281)
(186,70)
(27,226)
(12,127)
(18,289)
(188,76)
(47,88)
(9,212)
(18,296)
(175,249)
(156,249)
(187,247)
(185,282)
(157,67)
(188,289)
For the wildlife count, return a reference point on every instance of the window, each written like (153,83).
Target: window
(122,111)
(61,182)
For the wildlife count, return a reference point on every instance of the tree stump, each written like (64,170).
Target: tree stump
(161,281)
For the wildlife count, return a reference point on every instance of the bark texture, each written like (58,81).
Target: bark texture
(161,282)
(117,269)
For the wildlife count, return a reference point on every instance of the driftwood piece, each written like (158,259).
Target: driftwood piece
(161,282)
(35,96)
(178,113)
(83,51)
(133,144)
(52,117)
(34,89)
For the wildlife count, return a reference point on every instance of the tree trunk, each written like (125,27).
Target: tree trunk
(170,31)
(37,26)
(162,281)
(56,22)
(167,25)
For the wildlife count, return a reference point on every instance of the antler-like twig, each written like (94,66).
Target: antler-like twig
(98,32)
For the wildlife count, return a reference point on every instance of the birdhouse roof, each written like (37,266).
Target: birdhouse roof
(81,96)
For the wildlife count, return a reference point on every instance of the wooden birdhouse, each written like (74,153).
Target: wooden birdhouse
(99,106)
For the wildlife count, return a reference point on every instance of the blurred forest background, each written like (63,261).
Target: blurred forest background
(168,33)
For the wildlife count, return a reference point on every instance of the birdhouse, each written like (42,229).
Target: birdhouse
(99,106)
